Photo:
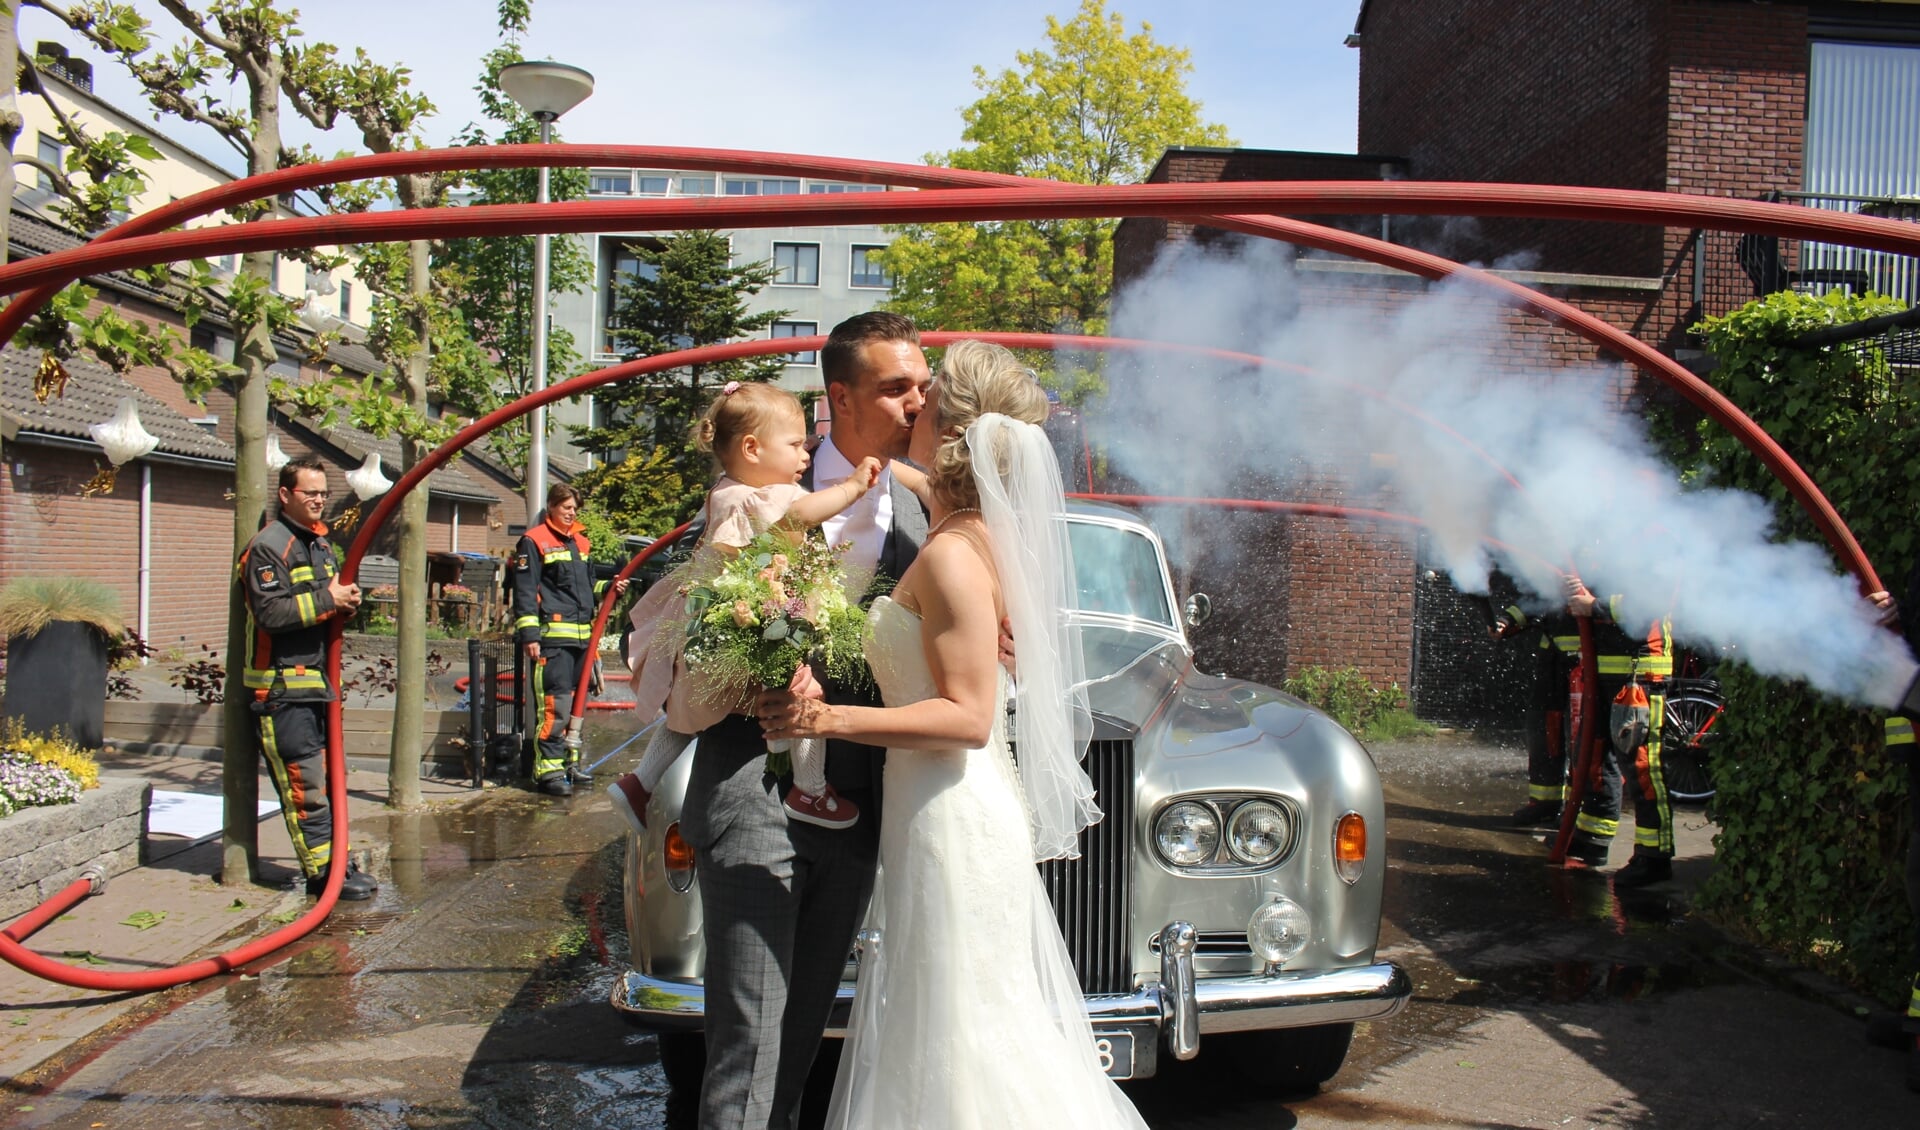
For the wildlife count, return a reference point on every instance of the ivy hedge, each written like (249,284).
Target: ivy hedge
(1813,816)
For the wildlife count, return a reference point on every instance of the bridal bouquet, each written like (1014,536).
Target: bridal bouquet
(770,608)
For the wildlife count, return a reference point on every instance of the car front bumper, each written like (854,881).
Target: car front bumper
(1179,1009)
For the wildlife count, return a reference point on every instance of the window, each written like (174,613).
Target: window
(346,299)
(696,186)
(623,266)
(796,264)
(867,270)
(53,153)
(798,329)
(742,187)
(835,189)
(653,186)
(610,183)
(779,188)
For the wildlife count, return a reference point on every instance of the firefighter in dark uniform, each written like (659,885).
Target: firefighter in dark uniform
(1555,643)
(1623,659)
(554,605)
(287,574)
(1904,1031)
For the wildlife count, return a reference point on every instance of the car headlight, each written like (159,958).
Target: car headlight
(1258,833)
(1278,931)
(1187,834)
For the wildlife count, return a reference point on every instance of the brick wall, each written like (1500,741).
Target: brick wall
(52,530)
(1489,90)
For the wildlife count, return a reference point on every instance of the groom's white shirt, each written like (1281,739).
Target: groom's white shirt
(863,526)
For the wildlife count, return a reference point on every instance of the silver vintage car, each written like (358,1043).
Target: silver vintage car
(1232,892)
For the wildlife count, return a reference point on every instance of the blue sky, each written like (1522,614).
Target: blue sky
(881,79)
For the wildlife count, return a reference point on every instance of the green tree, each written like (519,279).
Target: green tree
(1812,817)
(490,281)
(1095,106)
(687,293)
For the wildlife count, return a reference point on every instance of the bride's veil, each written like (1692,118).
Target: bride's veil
(1023,506)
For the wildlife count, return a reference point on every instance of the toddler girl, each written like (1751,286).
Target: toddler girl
(758,435)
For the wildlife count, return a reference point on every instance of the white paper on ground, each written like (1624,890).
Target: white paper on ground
(193,815)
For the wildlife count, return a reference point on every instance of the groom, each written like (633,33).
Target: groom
(783,899)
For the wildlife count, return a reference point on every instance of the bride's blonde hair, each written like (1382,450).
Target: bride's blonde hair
(976,378)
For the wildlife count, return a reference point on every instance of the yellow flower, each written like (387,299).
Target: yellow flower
(742,614)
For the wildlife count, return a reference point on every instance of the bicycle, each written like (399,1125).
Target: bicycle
(1690,729)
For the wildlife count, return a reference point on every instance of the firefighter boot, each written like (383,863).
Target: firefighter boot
(1644,871)
(555,785)
(357,885)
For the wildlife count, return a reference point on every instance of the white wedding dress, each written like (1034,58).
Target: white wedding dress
(970,1014)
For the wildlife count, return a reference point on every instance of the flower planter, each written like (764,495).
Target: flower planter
(44,849)
(57,681)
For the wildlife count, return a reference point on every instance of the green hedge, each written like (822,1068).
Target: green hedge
(1813,817)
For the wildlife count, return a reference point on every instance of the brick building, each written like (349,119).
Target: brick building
(1719,97)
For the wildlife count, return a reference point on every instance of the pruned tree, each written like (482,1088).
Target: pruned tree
(260,44)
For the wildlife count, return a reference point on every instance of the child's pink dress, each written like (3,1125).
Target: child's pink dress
(736,514)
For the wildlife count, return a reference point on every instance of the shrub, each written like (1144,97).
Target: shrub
(31,603)
(1812,816)
(1346,695)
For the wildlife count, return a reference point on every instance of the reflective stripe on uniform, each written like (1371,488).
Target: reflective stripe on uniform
(1913,1003)
(530,620)
(308,613)
(1568,644)
(289,678)
(562,630)
(1554,793)
(556,555)
(1596,825)
(301,573)
(1899,731)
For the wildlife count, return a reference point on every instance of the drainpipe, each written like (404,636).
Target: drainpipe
(455,543)
(146,545)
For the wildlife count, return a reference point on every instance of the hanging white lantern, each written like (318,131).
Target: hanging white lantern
(122,437)
(367,481)
(276,458)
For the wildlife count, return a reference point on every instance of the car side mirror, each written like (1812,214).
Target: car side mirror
(1199,609)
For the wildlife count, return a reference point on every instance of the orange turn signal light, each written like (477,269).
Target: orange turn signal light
(678,851)
(1350,847)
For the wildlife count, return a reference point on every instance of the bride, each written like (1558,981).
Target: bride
(969,1014)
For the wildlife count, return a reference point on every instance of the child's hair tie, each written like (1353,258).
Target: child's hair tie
(730,388)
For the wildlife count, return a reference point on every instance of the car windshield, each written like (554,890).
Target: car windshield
(1119,572)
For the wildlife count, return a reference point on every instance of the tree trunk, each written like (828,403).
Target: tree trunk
(240,774)
(403,763)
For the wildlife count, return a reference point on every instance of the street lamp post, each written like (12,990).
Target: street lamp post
(546,90)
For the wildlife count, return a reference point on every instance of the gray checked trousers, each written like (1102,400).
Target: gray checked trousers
(782,901)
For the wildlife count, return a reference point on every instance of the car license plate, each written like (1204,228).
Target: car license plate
(1115,1049)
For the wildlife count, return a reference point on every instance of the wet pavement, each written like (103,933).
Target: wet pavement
(472,992)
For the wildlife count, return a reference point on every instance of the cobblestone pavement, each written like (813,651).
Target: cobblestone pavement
(472,993)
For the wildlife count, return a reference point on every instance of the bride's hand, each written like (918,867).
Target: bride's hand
(784,714)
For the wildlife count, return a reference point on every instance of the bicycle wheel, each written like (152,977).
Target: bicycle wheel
(1687,736)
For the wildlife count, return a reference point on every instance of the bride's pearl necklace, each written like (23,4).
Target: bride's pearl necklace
(951,515)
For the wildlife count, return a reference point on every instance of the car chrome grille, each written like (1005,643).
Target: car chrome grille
(1092,895)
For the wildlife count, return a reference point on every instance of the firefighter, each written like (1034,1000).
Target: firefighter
(1897,1031)
(1633,671)
(554,605)
(1556,651)
(287,577)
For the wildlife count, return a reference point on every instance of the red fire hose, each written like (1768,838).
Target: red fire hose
(989,197)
